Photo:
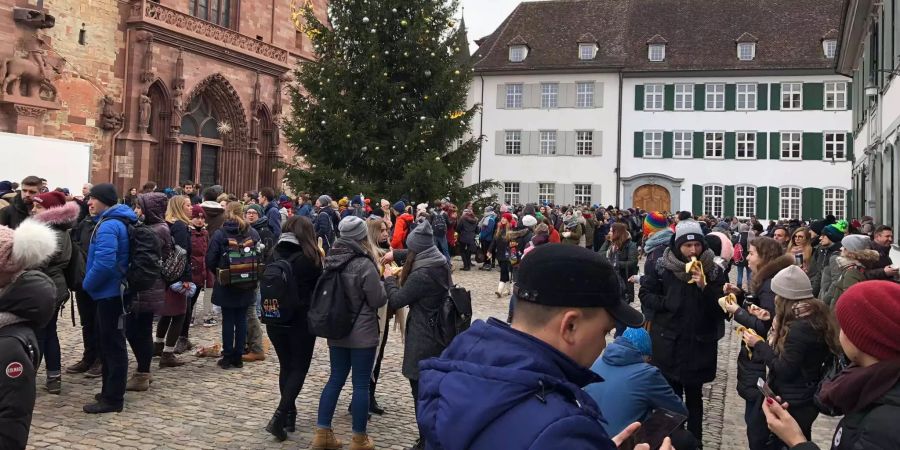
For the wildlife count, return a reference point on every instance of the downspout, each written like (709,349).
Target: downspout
(112,143)
(481,129)
(619,147)
(272,31)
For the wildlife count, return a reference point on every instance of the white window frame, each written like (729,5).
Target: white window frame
(582,194)
(548,140)
(715,95)
(515,95)
(584,143)
(787,145)
(794,96)
(518,53)
(584,94)
(832,198)
(654,95)
(511,192)
(549,95)
(746,96)
(587,52)
(713,194)
(710,139)
(656,52)
(829,48)
(653,144)
(838,142)
(744,201)
(512,143)
(837,90)
(683,144)
(746,51)
(684,97)
(747,139)
(788,204)
(546,193)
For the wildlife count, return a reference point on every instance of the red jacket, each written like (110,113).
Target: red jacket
(554,236)
(401,228)
(199,243)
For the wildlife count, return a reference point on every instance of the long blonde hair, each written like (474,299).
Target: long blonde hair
(807,247)
(235,211)
(175,210)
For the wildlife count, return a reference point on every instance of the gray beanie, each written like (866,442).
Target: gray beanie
(421,237)
(323,200)
(353,228)
(792,283)
(688,231)
(856,242)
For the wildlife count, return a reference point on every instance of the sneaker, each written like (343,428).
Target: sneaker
(54,384)
(101,407)
(96,370)
(224,363)
(183,345)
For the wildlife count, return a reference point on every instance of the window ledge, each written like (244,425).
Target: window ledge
(652,156)
(713,157)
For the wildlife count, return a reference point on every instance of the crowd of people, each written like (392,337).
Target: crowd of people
(815,305)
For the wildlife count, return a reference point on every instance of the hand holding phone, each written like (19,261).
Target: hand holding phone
(765,389)
(658,426)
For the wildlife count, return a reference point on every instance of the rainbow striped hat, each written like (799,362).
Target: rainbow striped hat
(654,222)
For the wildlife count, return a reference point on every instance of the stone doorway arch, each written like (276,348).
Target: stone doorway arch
(652,197)
(632,187)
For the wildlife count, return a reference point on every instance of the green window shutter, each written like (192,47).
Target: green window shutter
(850,156)
(774,203)
(762,145)
(730,145)
(849,204)
(813,96)
(667,144)
(730,97)
(813,203)
(774,145)
(638,144)
(698,144)
(729,201)
(762,96)
(669,97)
(775,97)
(697,199)
(812,146)
(850,96)
(699,97)
(761,202)
(639,97)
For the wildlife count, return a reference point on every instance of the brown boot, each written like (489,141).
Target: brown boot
(168,359)
(253,357)
(139,381)
(361,442)
(324,440)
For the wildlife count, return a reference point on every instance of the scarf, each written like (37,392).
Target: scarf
(432,257)
(486,219)
(671,263)
(856,388)
(571,222)
(799,309)
(659,239)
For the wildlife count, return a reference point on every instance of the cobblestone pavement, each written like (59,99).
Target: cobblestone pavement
(199,406)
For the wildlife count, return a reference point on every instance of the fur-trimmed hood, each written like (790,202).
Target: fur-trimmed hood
(866,258)
(28,246)
(61,218)
(769,270)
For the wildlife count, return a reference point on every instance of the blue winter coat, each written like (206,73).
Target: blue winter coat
(273,213)
(498,388)
(631,388)
(107,256)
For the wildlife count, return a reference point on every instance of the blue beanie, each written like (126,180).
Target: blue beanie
(400,207)
(640,339)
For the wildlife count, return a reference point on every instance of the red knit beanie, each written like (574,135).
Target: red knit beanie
(51,199)
(869,315)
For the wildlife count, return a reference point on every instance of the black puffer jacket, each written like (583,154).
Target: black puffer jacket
(820,261)
(467,227)
(153,208)
(306,273)
(14,214)
(687,321)
(795,372)
(61,220)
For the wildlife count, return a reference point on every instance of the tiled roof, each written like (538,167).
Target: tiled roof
(699,34)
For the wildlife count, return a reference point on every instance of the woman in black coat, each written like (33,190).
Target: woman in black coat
(290,336)
(172,314)
(467,227)
(423,285)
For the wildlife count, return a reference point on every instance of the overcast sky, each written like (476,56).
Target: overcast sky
(484,16)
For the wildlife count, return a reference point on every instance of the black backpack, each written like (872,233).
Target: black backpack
(331,315)
(74,271)
(278,292)
(454,315)
(143,256)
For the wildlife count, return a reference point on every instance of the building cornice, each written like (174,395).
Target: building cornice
(854,29)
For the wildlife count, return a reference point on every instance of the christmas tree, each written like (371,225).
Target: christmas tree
(382,110)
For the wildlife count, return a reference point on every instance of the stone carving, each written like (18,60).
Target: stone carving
(254,130)
(178,95)
(29,73)
(33,18)
(187,23)
(144,114)
(109,118)
(29,111)
(147,74)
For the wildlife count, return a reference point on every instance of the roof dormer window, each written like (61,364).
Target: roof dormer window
(746,51)
(656,52)
(587,51)
(517,53)
(829,46)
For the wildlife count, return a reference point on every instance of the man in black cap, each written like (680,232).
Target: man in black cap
(520,386)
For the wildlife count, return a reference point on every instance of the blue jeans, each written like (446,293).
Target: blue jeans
(234,332)
(443,246)
(740,275)
(360,360)
(48,342)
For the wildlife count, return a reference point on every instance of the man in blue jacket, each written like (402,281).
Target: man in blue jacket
(519,386)
(107,262)
(272,211)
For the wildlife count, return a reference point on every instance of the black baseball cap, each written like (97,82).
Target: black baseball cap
(575,277)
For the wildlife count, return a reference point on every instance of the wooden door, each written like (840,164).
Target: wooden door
(652,197)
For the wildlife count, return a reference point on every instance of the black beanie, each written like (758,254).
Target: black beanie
(817,226)
(105,193)
(714,244)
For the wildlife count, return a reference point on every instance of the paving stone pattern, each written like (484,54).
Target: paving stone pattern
(199,406)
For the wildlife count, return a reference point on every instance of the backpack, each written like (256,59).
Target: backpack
(439,223)
(331,314)
(241,264)
(278,292)
(75,270)
(454,315)
(738,253)
(143,256)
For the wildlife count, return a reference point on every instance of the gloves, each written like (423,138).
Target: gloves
(178,287)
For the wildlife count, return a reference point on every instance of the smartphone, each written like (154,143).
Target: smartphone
(764,388)
(798,259)
(658,425)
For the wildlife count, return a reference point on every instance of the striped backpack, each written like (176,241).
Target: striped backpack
(242,264)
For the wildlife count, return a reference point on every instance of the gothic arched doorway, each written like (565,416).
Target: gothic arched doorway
(201,143)
(652,197)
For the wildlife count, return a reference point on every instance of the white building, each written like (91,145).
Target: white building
(869,51)
(733,118)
